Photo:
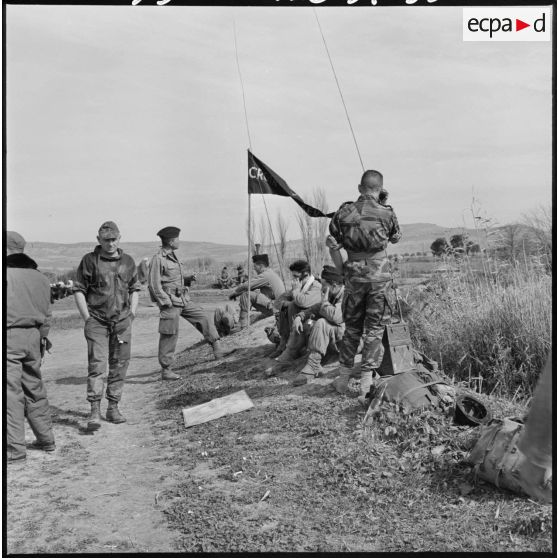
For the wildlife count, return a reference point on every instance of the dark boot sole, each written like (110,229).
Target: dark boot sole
(93,425)
(116,421)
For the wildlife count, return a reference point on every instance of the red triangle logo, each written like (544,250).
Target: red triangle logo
(519,25)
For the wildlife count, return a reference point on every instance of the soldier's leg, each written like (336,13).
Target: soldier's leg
(262,303)
(120,347)
(96,335)
(318,335)
(354,311)
(200,320)
(168,336)
(244,303)
(15,400)
(37,408)
(374,326)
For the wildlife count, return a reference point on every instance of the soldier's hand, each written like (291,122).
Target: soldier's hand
(297,325)
(331,242)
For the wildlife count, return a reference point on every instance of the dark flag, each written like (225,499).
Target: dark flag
(262,180)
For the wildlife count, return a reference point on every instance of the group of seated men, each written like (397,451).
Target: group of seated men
(308,315)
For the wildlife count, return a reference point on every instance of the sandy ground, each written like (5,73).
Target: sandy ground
(98,492)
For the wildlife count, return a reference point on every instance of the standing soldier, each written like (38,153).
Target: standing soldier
(27,322)
(106,295)
(167,286)
(363,228)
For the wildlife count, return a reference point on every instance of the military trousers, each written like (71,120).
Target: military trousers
(169,321)
(322,334)
(112,343)
(26,395)
(259,301)
(285,319)
(365,313)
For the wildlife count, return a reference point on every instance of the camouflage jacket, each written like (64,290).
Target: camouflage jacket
(364,228)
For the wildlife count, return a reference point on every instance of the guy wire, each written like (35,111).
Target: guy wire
(339,88)
(250,145)
(242,87)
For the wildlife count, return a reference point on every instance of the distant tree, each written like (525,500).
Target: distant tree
(474,249)
(539,222)
(439,247)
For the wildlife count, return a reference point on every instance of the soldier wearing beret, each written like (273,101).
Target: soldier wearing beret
(106,294)
(28,312)
(168,288)
(266,287)
(322,324)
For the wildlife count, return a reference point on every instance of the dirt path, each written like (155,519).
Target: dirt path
(98,492)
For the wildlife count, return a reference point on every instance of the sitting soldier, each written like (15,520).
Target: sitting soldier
(322,324)
(305,293)
(225,280)
(266,287)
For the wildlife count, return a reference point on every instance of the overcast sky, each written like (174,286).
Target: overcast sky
(135,114)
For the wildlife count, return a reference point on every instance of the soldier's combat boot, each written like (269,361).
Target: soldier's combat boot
(341,383)
(219,351)
(312,369)
(166,374)
(113,414)
(279,349)
(366,379)
(243,320)
(94,421)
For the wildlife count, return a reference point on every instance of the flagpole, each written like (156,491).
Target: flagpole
(249,252)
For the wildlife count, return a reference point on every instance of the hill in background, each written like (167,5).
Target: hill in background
(417,237)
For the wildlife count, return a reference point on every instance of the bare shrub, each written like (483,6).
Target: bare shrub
(314,232)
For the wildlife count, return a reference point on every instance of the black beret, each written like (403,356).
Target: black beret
(169,232)
(331,273)
(261,258)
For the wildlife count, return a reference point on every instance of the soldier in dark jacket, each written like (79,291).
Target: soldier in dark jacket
(363,228)
(106,294)
(28,312)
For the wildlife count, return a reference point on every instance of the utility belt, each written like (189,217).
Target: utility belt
(175,291)
(365,256)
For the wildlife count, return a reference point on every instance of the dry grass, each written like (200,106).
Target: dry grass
(493,326)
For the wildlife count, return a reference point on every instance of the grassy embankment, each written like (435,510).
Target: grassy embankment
(301,472)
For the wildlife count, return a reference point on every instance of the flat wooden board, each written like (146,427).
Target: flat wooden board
(217,408)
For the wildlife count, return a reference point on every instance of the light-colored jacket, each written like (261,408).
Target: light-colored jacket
(330,310)
(268,282)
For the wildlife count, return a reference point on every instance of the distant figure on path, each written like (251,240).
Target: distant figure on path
(106,294)
(28,313)
(168,287)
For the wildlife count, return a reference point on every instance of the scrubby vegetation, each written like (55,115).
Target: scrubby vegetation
(493,325)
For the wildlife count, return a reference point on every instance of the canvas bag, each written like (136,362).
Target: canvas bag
(495,455)
(412,389)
